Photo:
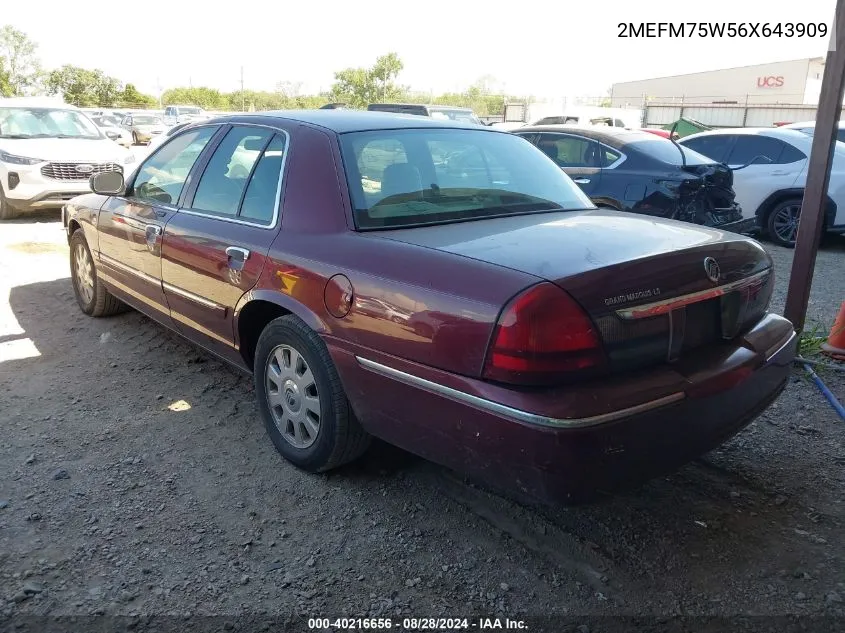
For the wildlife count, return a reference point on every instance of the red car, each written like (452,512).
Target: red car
(542,344)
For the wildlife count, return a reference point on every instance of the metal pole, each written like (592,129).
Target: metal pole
(814,204)
(243,97)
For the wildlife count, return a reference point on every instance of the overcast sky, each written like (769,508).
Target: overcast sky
(529,47)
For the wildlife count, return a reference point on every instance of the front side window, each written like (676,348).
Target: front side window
(225,177)
(20,122)
(413,177)
(162,177)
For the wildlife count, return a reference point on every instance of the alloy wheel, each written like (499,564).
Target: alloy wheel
(84,273)
(292,396)
(785,222)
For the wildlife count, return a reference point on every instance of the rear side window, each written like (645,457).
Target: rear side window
(608,156)
(570,151)
(713,146)
(261,195)
(225,177)
(751,146)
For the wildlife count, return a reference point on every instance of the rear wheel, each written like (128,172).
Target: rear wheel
(91,295)
(305,410)
(782,222)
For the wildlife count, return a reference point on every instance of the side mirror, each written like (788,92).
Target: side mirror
(107,183)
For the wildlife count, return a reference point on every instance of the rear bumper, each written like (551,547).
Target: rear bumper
(557,459)
(744,226)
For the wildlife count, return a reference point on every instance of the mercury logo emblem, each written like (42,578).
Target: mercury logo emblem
(85,169)
(711,269)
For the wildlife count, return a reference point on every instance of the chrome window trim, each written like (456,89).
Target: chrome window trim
(667,305)
(519,415)
(128,269)
(276,209)
(208,303)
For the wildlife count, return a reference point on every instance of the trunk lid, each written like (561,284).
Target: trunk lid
(618,266)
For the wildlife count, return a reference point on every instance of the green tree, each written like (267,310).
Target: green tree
(207,98)
(22,64)
(5,84)
(83,87)
(131,97)
(361,86)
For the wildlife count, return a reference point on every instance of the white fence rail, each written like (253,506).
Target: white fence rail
(728,115)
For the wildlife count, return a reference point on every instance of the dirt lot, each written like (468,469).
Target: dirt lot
(117,498)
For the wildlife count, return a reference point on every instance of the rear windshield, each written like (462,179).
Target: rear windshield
(428,176)
(666,151)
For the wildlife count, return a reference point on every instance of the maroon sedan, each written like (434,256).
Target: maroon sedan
(444,287)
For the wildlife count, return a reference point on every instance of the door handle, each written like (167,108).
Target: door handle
(237,257)
(581,181)
(152,233)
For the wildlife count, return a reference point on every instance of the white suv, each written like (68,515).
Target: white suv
(48,152)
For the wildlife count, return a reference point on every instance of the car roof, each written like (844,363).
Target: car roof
(784,134)
(430,106)
(619,135)
(804,124)
(36,102)
(343,121)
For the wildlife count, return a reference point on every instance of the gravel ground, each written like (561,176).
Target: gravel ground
(117,499)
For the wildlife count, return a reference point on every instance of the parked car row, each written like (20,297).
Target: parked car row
(446,287)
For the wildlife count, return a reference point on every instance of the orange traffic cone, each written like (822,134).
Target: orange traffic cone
(835,345)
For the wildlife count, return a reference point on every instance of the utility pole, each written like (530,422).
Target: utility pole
(814,203)
(158,87)
(243,97)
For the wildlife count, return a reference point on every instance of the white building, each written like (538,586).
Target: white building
(796,81)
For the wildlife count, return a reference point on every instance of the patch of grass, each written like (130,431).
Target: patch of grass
(810,341)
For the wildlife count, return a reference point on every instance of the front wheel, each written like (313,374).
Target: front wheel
(782,222)
(91,295)
(6,211)
(305,410)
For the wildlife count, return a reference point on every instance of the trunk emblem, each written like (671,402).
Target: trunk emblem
(712,270)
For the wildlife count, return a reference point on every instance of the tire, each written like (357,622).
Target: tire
(292,393)
(91,295)
(6,211)
(782,222)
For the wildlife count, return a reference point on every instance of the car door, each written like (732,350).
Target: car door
(578,156)
(215,247)
(131,225)
(777,165)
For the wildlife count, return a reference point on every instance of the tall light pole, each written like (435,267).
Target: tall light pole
(243,96)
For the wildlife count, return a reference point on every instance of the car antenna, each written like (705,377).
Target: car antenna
(676,144)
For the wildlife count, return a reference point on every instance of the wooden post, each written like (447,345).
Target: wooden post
(814,204)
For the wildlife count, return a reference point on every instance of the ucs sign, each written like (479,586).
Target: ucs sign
(770,82)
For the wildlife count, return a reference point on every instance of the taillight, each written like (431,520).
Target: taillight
(542,337)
